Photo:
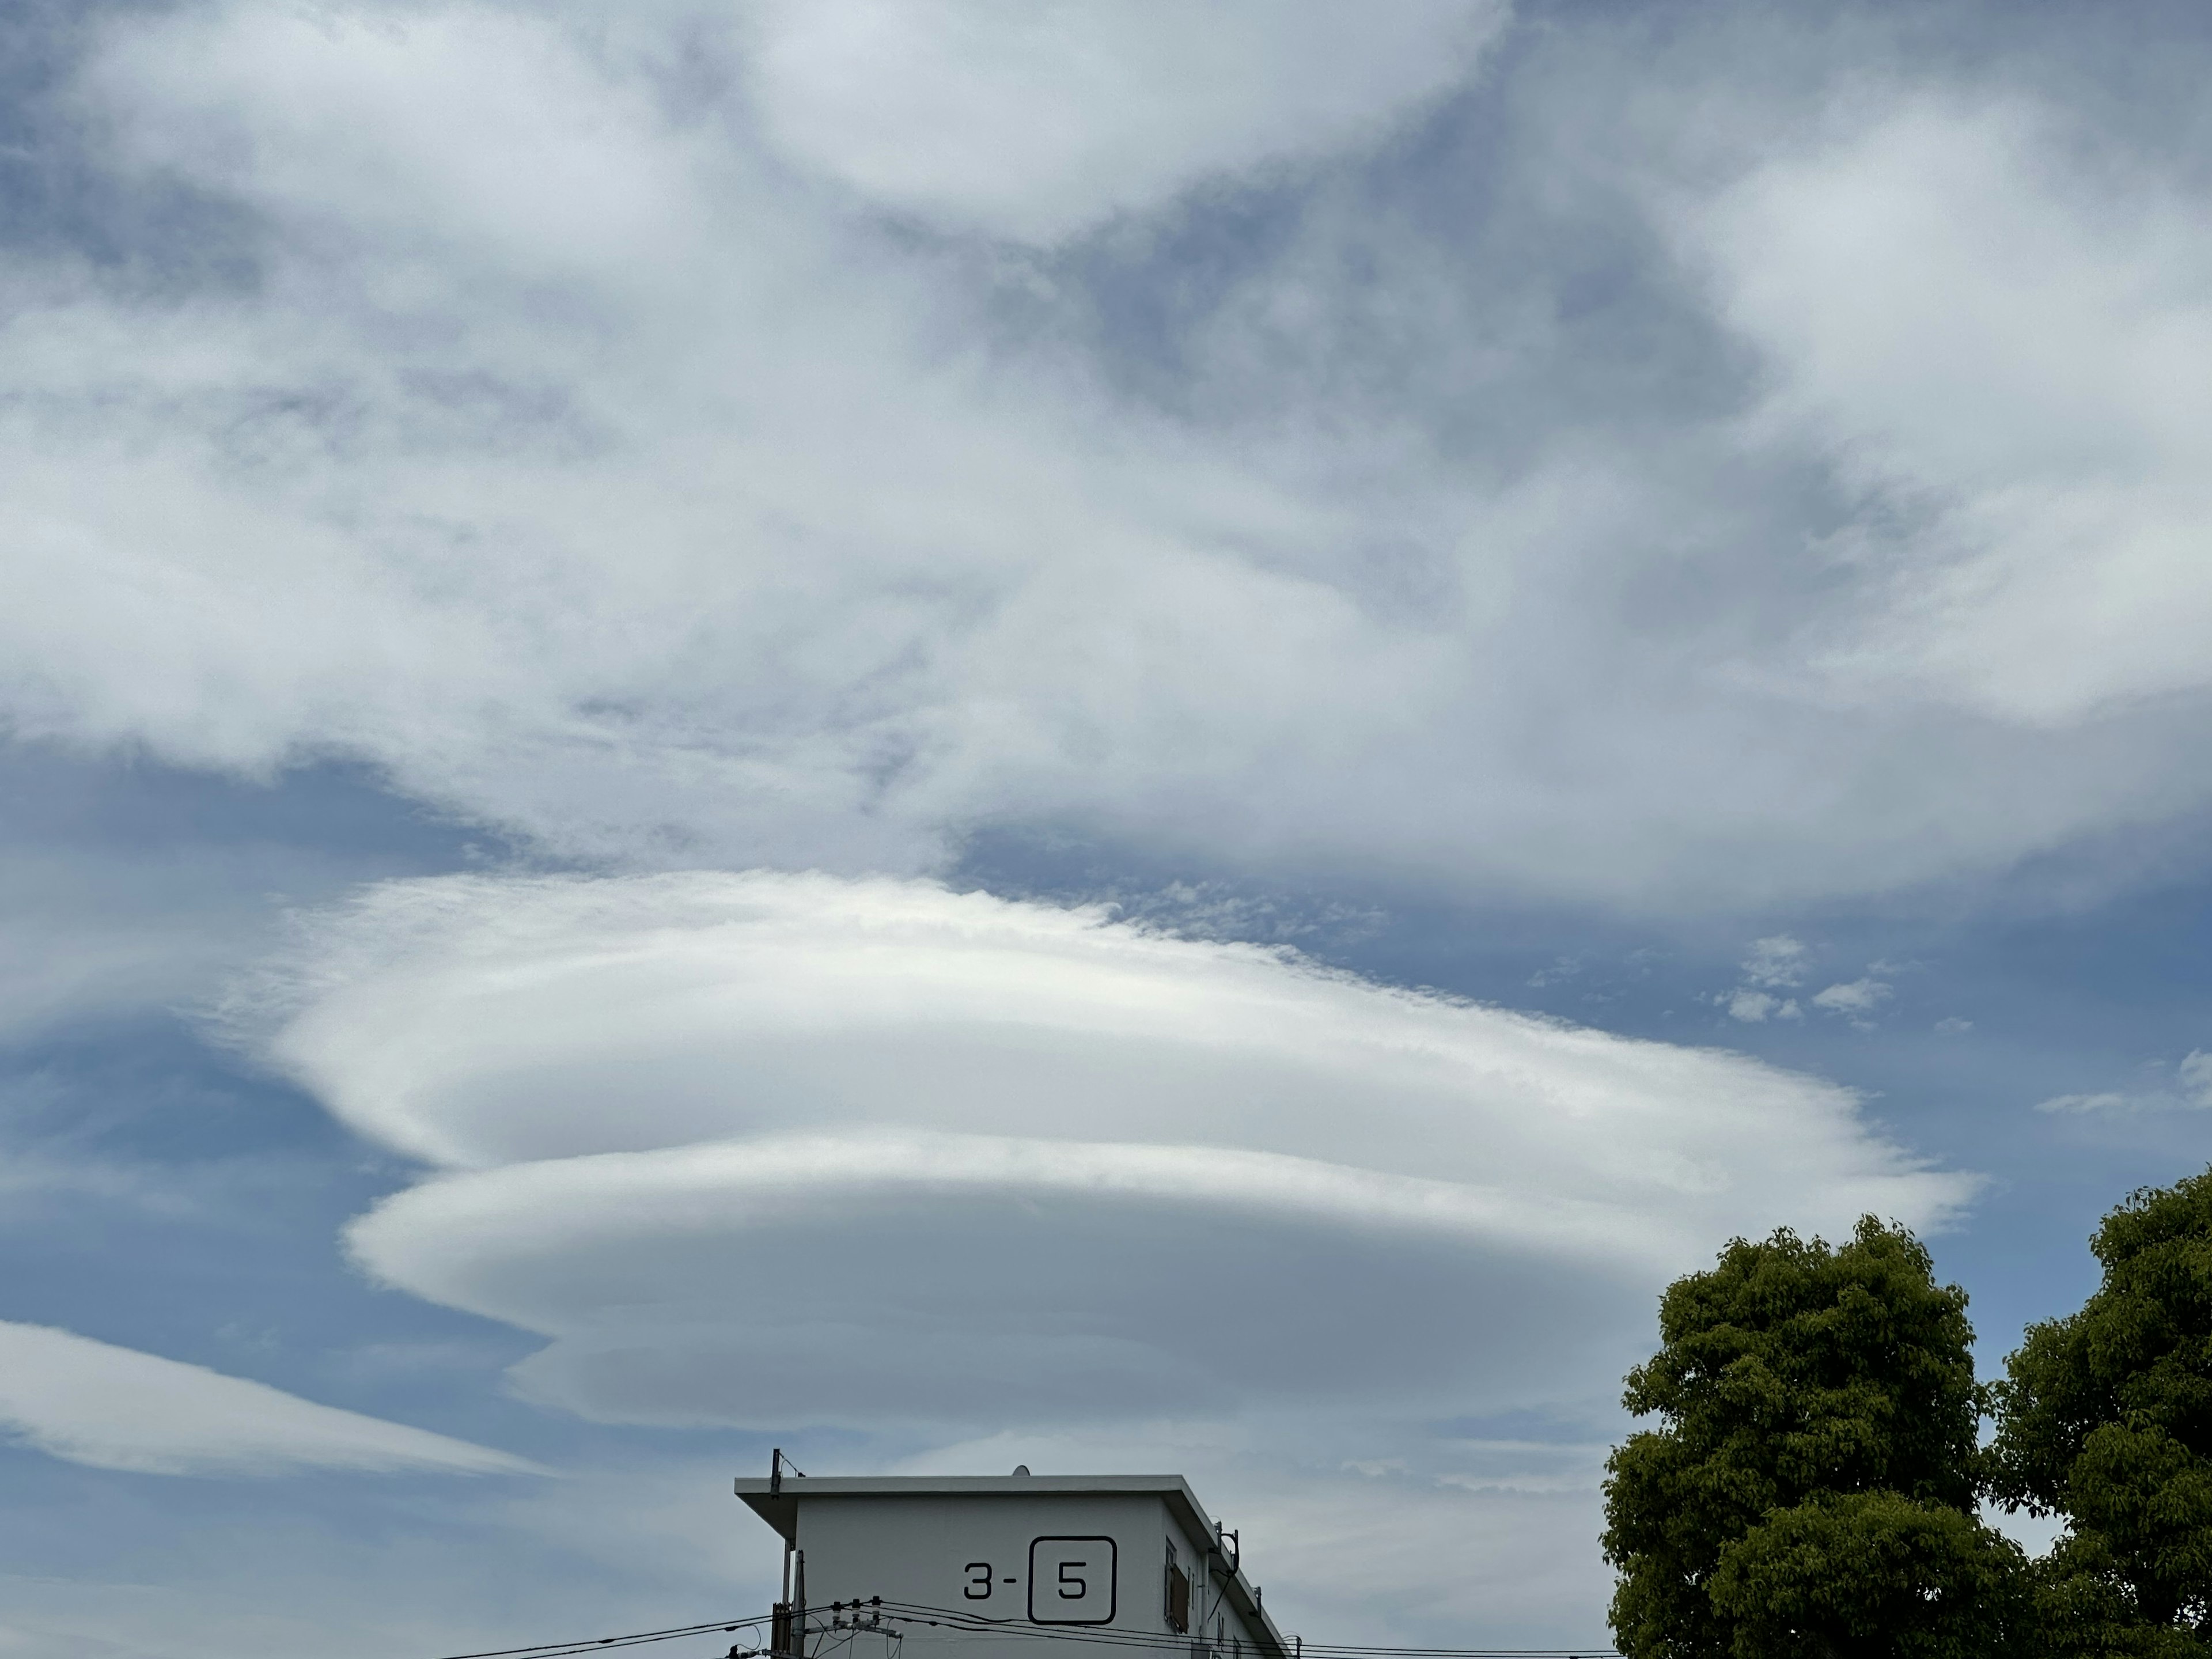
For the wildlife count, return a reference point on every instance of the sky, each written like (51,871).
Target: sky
(1134,737)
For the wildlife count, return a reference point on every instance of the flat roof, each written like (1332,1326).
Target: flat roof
(779,1509)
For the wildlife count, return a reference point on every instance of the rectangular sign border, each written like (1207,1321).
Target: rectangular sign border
(1113,1569)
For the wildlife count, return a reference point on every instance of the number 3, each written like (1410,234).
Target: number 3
(978,1588)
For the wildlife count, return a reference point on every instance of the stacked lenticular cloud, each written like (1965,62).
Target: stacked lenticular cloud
(751,1148)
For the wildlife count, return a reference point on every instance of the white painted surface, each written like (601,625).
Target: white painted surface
(1040,1565)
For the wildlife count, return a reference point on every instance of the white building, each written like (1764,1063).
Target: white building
(1019,1567)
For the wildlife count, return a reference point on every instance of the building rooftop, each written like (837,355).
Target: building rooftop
(776,1502)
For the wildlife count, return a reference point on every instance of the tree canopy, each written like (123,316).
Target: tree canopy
(1810,1487)
(2105,1417)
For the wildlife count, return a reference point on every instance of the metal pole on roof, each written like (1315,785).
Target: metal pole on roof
(781,1638)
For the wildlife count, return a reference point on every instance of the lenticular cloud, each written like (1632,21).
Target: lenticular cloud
(757,1148)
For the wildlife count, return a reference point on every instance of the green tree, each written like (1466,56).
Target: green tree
(1810,1488)
(1872,1573)
(2106,1418)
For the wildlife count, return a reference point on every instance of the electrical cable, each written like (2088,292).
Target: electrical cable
(975,1624)
(971,1623)
(592,1644)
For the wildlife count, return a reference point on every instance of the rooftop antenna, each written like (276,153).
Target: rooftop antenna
(777,1463)
(789,1631)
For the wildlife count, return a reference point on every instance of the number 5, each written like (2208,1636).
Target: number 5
(1067,1578)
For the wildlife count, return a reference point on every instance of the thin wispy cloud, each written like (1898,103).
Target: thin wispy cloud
(2188,1090)
(1776,962)
(116,1408)
(1856,1001)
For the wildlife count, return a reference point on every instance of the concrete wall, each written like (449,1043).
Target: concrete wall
(1077,1563)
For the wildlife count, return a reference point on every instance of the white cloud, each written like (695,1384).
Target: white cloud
(573,462)
(1774,964)
(1779,961)
(1752,1007)
(1035,120)
(1952,1025)
(2194,1074)
(751,1149)
(116,1408)
(2191,1090)
(1995,333)
(2107,1102)
(1856,999)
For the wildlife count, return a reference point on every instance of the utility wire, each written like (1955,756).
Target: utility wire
(975,1624)
(593,1644)
(969,1623)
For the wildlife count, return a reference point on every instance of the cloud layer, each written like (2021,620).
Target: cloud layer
(751,1147)
(1036,121)
(2000,344)
(1691,460)
(116,1408)
(601,430)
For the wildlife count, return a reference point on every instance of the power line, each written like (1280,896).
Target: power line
(973,1623)
(594,1644)
(969,1622)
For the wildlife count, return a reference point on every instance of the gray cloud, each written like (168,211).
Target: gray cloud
(579,459)
(1035,122)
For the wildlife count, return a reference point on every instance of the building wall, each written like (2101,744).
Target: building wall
(1079,1564)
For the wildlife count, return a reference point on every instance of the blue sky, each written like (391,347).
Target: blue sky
(1117,737)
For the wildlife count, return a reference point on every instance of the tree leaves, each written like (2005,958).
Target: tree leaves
(1810,1488)
(1869,1574)
(2105,1417)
